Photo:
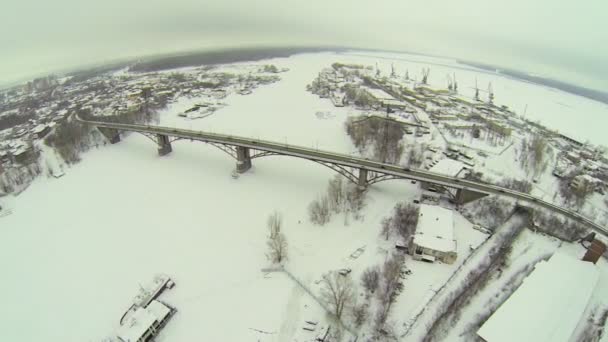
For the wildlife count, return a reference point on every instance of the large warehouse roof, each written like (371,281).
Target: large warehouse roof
(547,306)
(435,228)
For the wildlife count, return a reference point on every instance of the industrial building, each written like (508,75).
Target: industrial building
(548,305)
(434,238)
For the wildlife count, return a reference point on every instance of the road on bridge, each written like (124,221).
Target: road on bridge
(348,161)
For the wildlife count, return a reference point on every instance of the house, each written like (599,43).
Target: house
(582,182)
(5,157)
(41,130)
(434,238)
(548,305)
(144,323)
(24,154)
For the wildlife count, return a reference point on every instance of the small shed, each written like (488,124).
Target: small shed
(595,251)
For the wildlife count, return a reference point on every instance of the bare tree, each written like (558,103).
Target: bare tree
(385,135)
(336,194)
(355,199)
(341,197)
(425,75)
(391,280)
(403,222)
(338,292)
(370,279)
(534,154)
(391,287)
(277,243)
(274,223)
(318,211)
(360,313)
(414,156)
(386,227)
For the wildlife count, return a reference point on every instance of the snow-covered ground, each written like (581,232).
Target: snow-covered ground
(76,248)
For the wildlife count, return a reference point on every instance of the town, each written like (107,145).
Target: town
(282,249)
(29,112)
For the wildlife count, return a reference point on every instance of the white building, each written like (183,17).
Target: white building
(434,238)
(448,167)
(144,323)
(379,94)
(548,305)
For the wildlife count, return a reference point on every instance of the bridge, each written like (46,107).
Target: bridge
(360,171)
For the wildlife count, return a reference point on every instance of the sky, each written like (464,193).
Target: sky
(562,39)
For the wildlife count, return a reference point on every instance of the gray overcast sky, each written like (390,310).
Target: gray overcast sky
(565,39)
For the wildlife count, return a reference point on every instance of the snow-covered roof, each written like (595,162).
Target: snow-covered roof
(141,320)
(379,94)
(136,326)
(158,309)
(39,128)
(435,228)
(547,306)
(448,167)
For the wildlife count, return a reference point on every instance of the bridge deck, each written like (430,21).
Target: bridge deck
(348,161)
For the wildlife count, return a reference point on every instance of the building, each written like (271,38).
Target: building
(547,306)
(595,251)
(446,167)
(434,238)
(24,154)
(449,167)
(41,130)
(144,323)
(380,95)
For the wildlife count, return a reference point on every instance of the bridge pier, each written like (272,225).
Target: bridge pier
(464,196)
(362,182)
(113,135)
(243,158)
(164,145)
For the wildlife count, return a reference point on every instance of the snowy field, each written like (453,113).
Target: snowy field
(75,249)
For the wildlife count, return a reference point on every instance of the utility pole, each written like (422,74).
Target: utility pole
(385,147)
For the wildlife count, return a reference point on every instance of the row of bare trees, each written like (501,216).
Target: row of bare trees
(70,139)
(382,285)
(516,184)
(534,154)
(382,135)
(490,212)
(276,242)
(403,222)
(561,228)
(340,197)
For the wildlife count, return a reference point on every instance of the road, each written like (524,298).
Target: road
(351,161)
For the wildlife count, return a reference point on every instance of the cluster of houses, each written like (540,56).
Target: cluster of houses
(447,110)
(42,104)
(459,119)
(583,166)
